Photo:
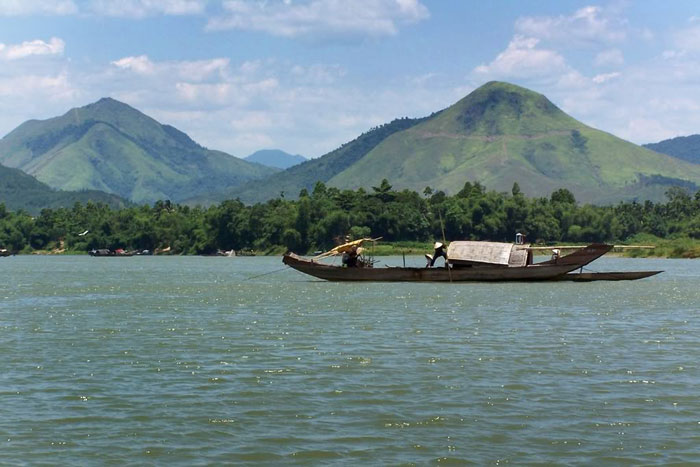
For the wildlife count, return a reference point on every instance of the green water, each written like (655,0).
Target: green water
(188,360)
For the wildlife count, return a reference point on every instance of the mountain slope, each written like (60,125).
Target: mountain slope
(501,134)
(21,191)
(113,147)
(305,175)
(275,158)
(682,147)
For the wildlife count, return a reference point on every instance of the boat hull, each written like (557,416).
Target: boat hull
(607,276)
(486,273)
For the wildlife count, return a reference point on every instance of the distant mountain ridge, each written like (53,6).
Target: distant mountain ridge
(19,190)
(305,175)
(682,147)
(275,158)
(497,135)
(110,146)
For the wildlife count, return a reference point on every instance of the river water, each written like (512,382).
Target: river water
(189,360)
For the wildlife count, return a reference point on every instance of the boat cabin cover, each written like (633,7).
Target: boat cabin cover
(493,253)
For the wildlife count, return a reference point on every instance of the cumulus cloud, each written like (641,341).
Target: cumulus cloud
(324,18)
(241,107)
(591,24)
(687,40)
(606,77)
(55,86)
(646,99)
(609,57)
(522,59)
(197,70)
(54,46)
(37,7)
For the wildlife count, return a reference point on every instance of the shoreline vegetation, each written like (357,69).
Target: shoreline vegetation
(408,222)
(663,248)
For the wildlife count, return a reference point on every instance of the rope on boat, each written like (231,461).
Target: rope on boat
(265,274)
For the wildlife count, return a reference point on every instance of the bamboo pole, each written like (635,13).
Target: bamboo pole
(578,247)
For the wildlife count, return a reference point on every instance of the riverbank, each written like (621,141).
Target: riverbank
(682,247)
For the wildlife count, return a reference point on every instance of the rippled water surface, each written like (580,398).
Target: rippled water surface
(205,361)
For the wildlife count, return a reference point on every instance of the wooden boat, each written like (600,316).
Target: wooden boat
(104,252)
(606,276)
(470,261)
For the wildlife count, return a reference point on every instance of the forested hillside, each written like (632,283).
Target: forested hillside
(21,191)
(320,217)
(112,147)
(682,147)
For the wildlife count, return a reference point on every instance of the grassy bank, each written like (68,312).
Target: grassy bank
(679,247)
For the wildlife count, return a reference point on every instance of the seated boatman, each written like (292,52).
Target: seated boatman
(439,252)
(350,257)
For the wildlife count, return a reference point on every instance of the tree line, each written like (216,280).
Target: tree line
(317,219)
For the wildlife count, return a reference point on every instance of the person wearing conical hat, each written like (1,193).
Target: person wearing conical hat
(439,252)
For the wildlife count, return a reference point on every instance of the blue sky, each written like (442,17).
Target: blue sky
(306,76)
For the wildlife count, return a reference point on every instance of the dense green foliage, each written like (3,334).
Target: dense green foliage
(319,219)
(21,191)
(112,147)
(682,147)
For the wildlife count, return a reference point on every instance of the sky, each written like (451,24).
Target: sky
(307,76)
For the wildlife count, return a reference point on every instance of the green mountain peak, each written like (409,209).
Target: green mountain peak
(501,134)
(111,146)
(499,108)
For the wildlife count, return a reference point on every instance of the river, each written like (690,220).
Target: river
(192,361)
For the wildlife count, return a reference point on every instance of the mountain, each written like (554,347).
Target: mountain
(501,134)
(275,158)
(113,147)
(307,174)
(682,147)
(21,191)
(497,135)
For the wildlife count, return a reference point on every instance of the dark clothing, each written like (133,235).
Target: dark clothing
(350,259)
(438,253)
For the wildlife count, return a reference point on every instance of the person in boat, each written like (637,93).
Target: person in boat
(439,252)
(350,257)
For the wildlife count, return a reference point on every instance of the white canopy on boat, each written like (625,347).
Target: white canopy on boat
(504,254)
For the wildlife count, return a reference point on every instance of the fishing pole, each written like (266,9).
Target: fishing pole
(265,274)
(444,242)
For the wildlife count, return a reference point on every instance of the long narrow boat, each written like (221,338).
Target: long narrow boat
(606,276)
(470,261)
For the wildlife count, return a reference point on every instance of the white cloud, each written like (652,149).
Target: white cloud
(609,57)
(34,7)
(56,86)
(591,24)
(598,79)
(323,18)
(197,70)
(688,39)
(522,59)
(141,64)
(55,46)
